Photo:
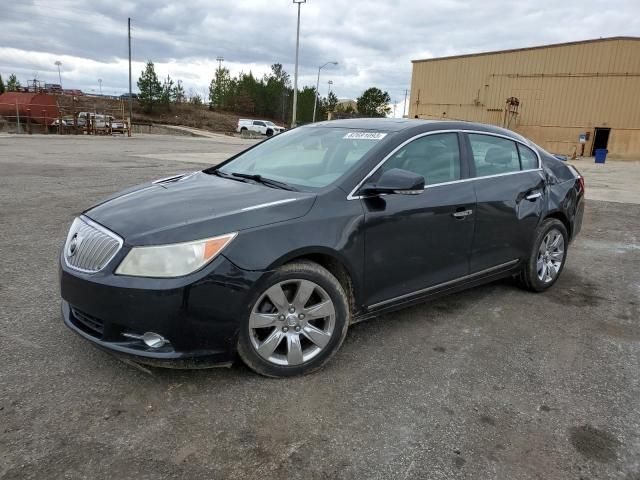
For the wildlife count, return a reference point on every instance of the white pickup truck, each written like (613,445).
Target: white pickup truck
(263,127)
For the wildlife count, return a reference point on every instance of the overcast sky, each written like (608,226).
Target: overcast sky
(374,41)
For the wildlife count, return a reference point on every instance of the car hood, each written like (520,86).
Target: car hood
(195,206)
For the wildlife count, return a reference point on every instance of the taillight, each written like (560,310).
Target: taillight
(581,182)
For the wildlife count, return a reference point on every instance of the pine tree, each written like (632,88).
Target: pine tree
(1,85)
(306,99)
(13,85)
(167,92)
(245,93)
(331,102)
(150,87)
(218,88)
(177,95)
(275,85)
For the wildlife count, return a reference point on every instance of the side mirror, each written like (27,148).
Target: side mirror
(396,180)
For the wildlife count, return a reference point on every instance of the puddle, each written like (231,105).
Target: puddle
(593,443)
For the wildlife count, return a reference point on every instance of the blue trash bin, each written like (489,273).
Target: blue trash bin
(601,155)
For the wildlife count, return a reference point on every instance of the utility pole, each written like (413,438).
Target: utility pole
(295,75)
(219,59)
(130,93)
(100,83)
(330,82)
(404,106)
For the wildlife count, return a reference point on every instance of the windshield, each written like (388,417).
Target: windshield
(271,124)
(307,158)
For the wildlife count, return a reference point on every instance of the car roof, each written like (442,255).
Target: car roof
(419,125)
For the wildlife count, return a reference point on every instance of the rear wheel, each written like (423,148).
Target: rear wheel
(547,258)
(297,322)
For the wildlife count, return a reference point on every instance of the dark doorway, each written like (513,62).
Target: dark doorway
(600,139)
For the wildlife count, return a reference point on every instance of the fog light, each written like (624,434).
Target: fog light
(153,340)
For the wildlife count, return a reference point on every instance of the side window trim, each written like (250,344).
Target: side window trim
(353,195)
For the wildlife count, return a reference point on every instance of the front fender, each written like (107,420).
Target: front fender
(334,227)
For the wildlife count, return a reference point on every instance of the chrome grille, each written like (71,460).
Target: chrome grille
(89,246)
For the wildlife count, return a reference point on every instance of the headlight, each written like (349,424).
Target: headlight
(173,260)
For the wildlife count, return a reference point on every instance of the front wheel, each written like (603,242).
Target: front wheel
(297,323)
(547,258)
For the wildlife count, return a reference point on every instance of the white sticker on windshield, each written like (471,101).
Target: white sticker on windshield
(365,135)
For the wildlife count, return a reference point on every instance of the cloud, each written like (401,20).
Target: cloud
(373,41)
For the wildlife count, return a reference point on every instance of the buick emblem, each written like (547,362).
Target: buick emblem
(74,244)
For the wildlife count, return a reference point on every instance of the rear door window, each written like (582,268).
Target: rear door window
(528,159)
(493,155)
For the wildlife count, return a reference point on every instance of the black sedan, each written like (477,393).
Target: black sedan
(272,254)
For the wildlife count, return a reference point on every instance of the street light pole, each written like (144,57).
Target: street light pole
(130,94)
(404,106)
(315,103)
(58,63)
(295,76)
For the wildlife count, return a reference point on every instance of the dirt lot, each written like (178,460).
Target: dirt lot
(490,383)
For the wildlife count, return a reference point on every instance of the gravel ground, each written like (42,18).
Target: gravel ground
(491,383)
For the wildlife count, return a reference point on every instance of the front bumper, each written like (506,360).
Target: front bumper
(199,315)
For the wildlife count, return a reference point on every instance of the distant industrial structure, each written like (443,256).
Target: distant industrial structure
(570,98)
(38,112)
(347,104)
(40,108)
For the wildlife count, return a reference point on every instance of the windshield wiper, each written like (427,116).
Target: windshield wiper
(265,181)
(230,176)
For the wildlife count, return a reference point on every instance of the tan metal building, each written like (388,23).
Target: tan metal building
(551,94)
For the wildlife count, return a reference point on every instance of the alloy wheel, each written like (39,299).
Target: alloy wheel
(550,256)
(292,322)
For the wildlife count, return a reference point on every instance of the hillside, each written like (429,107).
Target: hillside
(180,114)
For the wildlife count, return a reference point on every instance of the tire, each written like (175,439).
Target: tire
(269,133)
(544,266)
(243,129)
(269,342)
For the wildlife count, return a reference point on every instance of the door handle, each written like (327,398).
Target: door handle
(462,214)
(533,196)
